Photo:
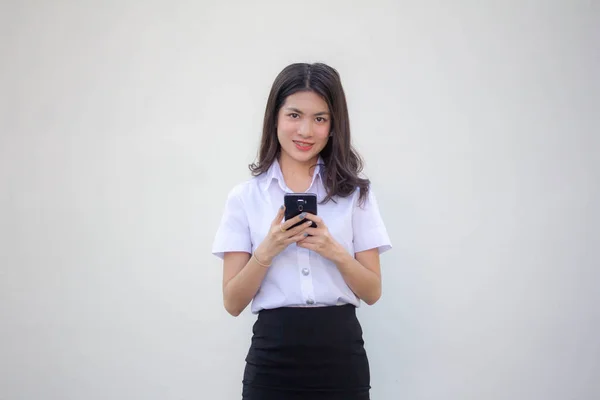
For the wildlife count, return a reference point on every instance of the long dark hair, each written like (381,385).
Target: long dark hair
(343,164)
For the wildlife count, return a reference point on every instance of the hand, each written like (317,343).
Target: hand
(321,241)
(279,237)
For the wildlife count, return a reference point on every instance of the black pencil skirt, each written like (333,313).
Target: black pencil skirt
(312,353)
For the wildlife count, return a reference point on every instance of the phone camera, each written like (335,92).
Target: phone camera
(300,207)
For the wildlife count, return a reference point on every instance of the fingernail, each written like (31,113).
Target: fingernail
(302,215)
(305,234)
(281,208)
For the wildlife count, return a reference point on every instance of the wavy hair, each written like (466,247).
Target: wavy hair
(343,164)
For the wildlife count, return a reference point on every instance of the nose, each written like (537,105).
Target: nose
(305,128)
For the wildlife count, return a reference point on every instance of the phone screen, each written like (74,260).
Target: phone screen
(297,203)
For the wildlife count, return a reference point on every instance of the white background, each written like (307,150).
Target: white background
(123,125)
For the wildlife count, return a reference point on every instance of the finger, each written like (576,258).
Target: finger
(308,240)
(307,245)
(279,216)
(296,238)
(313,231)
(318,220)
(313,236)
(299,229)
(290,222)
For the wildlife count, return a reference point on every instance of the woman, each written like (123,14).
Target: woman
(306,282)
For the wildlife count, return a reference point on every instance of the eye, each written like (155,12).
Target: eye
(321,119)
(294,115)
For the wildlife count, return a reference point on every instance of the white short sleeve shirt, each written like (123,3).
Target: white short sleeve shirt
(298,277)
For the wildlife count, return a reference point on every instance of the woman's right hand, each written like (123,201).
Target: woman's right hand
(279,237)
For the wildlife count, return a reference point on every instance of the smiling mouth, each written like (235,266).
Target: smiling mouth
(303,145)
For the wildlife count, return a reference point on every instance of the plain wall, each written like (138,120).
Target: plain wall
(123,125)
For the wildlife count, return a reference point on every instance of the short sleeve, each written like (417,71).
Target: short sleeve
(233,233)
(368,226)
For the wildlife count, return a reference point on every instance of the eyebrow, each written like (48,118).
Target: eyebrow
(300,112)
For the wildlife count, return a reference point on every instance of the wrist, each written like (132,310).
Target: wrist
(263,256)
(340,255)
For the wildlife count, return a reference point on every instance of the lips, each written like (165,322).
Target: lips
(303,146)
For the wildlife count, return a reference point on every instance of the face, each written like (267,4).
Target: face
(303,126)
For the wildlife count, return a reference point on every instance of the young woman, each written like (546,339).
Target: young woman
(305,282)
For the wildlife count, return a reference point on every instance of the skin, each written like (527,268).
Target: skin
(303,119)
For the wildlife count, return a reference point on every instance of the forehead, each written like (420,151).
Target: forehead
(306,102)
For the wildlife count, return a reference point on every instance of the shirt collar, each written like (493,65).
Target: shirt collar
(274,173)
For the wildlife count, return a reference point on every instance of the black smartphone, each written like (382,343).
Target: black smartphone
(297,203)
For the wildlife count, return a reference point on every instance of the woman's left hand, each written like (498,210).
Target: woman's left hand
(320,240)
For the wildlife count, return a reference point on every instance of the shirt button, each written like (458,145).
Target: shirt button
(305,271)
(310,301)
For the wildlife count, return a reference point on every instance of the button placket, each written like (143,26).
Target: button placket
(306,283)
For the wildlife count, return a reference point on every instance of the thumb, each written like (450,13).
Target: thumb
(279,216)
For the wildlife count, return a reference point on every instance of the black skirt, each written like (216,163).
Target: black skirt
(312,353)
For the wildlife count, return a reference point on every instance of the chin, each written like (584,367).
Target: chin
(304,157)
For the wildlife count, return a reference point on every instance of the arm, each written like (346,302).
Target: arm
(360,271)
(242,277)
(362,274)
(243,274)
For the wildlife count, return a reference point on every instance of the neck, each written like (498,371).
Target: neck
(297,175)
